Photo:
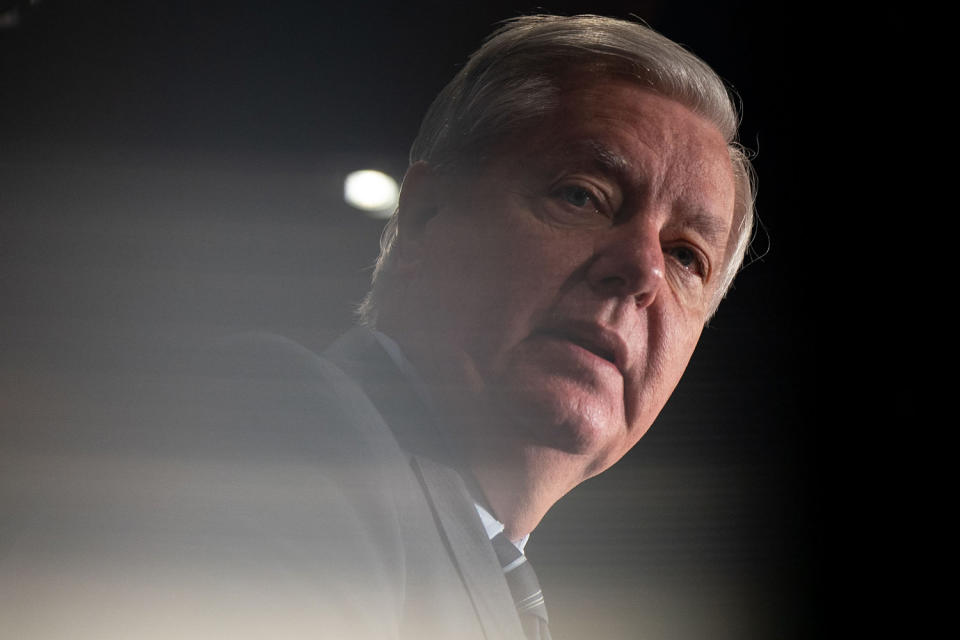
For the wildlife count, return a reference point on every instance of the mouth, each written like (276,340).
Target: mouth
(603,343)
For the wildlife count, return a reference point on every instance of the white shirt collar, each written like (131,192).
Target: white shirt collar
(494,527)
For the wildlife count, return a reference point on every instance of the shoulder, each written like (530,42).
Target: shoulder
(262,495)
(277,397)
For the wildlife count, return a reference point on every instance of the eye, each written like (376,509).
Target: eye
(576,195)
(688,258)
(579,200)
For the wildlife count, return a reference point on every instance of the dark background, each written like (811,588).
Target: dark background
(171,172)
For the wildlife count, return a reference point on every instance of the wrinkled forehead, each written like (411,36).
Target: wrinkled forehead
(618,128)
(578,95)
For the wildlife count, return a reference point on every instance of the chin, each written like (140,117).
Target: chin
(568,421)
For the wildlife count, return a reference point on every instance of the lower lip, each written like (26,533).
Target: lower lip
(581,354)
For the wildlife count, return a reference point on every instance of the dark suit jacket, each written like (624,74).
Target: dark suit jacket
(280,494)
(452,581)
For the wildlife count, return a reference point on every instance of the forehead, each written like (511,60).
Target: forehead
(650,143)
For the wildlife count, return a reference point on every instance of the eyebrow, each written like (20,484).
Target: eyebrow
(595,154)
(713,229)
(606,158)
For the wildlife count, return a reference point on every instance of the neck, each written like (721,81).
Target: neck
(521,485)
(519,479)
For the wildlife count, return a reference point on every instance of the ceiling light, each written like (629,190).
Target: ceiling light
(372,191)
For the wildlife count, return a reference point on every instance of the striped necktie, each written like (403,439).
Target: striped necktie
(524,587)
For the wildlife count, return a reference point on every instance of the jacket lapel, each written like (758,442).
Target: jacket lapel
(470,548)
(361,356)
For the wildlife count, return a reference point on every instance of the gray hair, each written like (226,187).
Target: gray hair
(514,79)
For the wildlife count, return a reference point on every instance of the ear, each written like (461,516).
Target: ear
(418,205)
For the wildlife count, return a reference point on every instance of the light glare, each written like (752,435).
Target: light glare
(371,191)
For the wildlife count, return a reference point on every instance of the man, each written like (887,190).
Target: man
(575,208)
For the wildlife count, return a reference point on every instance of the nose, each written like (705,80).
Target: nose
(628,262)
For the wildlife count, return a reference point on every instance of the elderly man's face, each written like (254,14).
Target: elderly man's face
(561,287)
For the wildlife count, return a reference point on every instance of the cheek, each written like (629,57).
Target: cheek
(475,292)
(496,270)
(669,350)
(500,256)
